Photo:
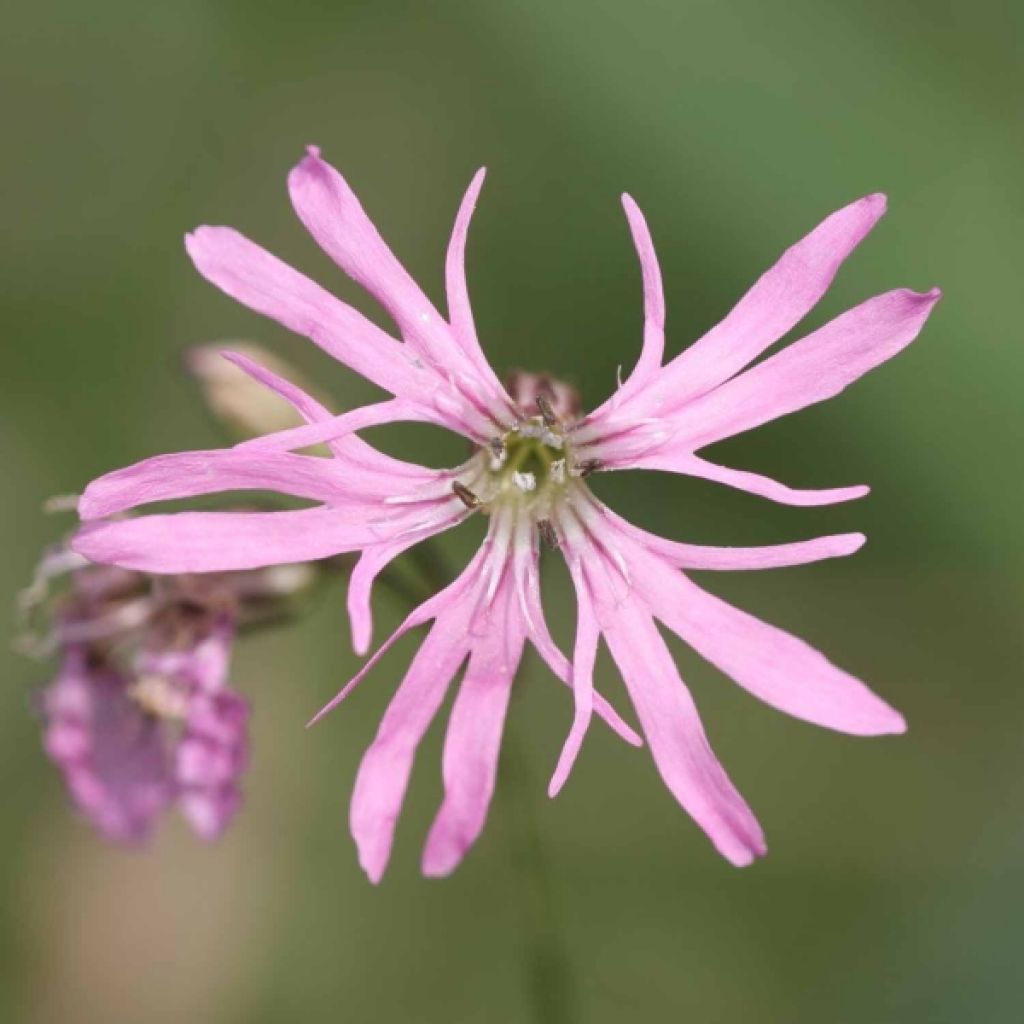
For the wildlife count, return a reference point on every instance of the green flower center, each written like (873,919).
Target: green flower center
(531,467)
(530,455)
(528,461)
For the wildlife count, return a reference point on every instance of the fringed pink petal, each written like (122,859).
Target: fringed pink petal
(653,350)
(220,541)
(486,613)
(473,739)
(392,473)
(334,217)
(384,771)
(371,563)
(673,731)
(743,480)
(699,556)
(385,768)
(671,725)
(808,371)
(460,312)
(583,659)
(778,668)
(254,277)
(452,596)
(360,587)
(188,474)
(528,585)
(774,556)
(778,301)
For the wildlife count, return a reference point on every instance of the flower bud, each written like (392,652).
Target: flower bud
(245,407)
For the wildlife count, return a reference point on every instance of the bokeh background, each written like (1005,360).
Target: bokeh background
(894,889)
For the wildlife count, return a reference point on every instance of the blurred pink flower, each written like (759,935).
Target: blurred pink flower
(212,747)
(528,474)
(139,716)
(115,758)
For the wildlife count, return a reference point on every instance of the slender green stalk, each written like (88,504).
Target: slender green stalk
(549,972)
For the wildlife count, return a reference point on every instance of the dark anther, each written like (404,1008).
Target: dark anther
(497,446)
(547,533)
(546,412)
(465,495)
(588,466)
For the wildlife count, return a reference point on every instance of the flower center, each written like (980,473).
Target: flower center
(531,467)
(529,459)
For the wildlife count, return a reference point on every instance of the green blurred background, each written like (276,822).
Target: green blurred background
(894,889)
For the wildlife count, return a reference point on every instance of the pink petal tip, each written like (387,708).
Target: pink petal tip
(877,201)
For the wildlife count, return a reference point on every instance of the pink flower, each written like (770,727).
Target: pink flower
(211,752)
(115,758)
(139,716)
(528,475)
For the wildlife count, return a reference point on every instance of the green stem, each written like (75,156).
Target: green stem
(549,972)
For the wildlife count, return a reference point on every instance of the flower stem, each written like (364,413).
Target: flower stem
(549,974)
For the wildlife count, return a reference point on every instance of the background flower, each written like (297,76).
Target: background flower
(139,716)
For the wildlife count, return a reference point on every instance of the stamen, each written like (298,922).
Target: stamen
(547,533)
(499,453)
(465,495)
(546,412)
(588,466)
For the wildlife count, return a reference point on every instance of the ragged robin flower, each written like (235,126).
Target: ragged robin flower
(529,476)
(140,717)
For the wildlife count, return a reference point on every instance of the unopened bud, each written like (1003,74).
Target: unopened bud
(243,405)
